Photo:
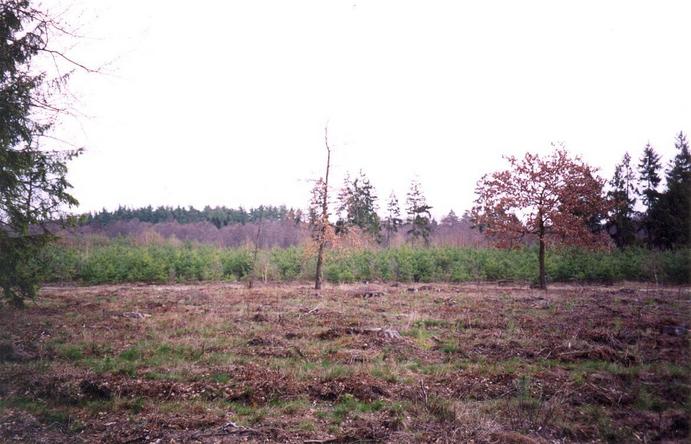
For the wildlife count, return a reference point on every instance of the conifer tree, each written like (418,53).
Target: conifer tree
(33,185)
(649,176)
(450,219)
(680,167)
(393,218)
(648,179)
(671,214)
(419,217)
(621,224)
(345,196)
(357,206)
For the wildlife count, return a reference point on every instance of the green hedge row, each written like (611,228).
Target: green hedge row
(125,262)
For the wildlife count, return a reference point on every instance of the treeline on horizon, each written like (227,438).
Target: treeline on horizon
(219,216)
(651,209)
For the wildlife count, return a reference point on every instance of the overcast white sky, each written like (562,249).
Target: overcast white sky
(225,102)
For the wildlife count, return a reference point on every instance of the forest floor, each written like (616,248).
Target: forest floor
(218,362)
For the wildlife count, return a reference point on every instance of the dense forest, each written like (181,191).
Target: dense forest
(217,216)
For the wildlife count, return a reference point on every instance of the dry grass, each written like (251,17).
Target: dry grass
(221,363)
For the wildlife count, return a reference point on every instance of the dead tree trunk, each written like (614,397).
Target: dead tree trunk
(325,214)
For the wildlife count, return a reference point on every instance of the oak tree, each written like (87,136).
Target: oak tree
(551,199)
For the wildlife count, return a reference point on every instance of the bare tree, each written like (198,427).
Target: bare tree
(323,221)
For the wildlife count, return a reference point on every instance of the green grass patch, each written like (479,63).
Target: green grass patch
(333,371)
(385,373)
(71,352)
(348,405)
(131,354)
(449,347)
(420,335)
(221,378)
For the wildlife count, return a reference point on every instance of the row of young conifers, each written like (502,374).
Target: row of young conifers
(124,261)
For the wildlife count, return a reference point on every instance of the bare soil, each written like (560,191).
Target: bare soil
(216,363)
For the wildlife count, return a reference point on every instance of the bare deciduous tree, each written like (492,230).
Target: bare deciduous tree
(323,219)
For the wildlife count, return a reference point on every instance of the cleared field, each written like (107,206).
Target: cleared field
(409,363)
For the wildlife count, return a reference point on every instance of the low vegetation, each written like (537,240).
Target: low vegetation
(124,261)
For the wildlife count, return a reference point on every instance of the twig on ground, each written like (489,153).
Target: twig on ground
(227,429)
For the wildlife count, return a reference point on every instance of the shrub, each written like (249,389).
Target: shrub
(288,262)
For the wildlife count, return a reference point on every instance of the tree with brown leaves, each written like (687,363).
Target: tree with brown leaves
(554,199)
